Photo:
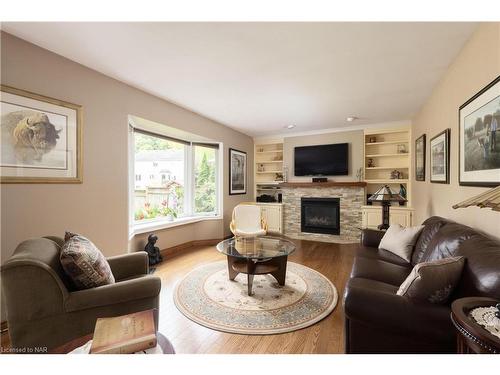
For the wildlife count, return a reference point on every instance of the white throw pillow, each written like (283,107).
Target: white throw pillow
(400,241)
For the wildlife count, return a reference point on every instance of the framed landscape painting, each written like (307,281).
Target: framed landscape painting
(440,157)
(237,172)
(40,139)
(479,138)
(420,158)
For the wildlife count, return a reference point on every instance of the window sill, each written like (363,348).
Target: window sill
(150,226)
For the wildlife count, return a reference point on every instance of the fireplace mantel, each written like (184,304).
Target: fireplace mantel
(323,184)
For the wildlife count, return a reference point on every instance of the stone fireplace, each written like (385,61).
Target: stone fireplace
(325,222)
(320,215)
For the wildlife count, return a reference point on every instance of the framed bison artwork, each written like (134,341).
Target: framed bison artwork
(40,139)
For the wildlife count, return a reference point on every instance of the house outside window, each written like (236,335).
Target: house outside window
(182,183)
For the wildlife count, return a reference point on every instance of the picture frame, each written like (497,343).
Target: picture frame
(479,138)
(420,158)
(440,157)
(237,172)
(40,139)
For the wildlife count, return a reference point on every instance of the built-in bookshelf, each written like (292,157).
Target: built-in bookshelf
(268,169)
(387,159)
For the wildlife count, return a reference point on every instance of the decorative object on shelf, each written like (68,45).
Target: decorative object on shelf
(371,163)
(372,139)
(479,138)
(237,172)
(440,157)
(420,158)
(278,158)
(385,196)
(402,192)
(260,149)
(278,177)
(261,168)
(402,149)
(488,199)
(368,201)
(153,251)
(41,139)
(266,198)
(359,173)
(396,175)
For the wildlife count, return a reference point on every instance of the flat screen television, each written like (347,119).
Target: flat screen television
(322,160)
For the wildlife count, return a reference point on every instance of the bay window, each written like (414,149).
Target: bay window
(175,180)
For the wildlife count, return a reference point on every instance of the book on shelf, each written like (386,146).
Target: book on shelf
(124,334)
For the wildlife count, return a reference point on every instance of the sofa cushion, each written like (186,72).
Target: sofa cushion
(447,241)
(431,226)
(481,273)
(400,240)
(381,254)
(379,270)
(84,263)
(433,282)
(376,304)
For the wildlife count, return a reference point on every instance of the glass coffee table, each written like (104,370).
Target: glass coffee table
(257,256)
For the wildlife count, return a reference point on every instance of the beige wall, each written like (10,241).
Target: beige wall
(477,64)
(354,138)
(98,207)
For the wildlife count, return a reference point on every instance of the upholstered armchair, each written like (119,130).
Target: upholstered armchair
(247,221)
(44,310)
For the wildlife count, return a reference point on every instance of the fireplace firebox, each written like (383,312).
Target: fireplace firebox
(320,215)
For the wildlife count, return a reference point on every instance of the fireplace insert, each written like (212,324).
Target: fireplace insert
(320,215)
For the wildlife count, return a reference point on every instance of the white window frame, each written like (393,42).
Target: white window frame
(143,226)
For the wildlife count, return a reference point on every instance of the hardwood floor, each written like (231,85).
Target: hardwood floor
(332,260)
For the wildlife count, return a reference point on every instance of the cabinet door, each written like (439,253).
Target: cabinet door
(373,218)
(273,217)
(402,218)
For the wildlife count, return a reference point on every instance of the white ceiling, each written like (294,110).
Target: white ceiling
(260,77)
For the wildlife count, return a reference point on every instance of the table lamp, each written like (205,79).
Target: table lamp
(385,196)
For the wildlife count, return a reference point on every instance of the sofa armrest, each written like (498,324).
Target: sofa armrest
(376,304)
(120,292)
(128,265)
(371,237)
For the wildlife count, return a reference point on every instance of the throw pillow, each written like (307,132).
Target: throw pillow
(84,263)
(433,281)
(400,241)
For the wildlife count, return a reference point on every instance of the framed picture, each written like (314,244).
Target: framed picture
(40,139)
(479,138)
(420,158)
(237,172)
(440,157)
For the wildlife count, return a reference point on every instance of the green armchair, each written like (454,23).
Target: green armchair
(44,310)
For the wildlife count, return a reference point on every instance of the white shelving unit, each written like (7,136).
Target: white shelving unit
(268,168)
(387,150)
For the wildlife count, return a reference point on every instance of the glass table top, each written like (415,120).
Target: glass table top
(256,248)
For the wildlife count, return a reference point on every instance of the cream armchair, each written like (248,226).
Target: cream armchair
(247,221)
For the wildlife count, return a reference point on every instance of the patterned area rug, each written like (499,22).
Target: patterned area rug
(208,297)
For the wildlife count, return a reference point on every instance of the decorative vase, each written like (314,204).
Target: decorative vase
(402,192)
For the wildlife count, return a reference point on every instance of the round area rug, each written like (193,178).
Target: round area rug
(208,297)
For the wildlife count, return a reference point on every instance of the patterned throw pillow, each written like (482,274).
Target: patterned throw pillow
(84,263)
(433,281)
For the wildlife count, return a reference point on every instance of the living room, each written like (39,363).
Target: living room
(250,187)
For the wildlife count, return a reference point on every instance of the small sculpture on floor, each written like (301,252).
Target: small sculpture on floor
(152,250)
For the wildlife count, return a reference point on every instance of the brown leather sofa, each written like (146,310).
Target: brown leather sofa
(377,320)
(44,310)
